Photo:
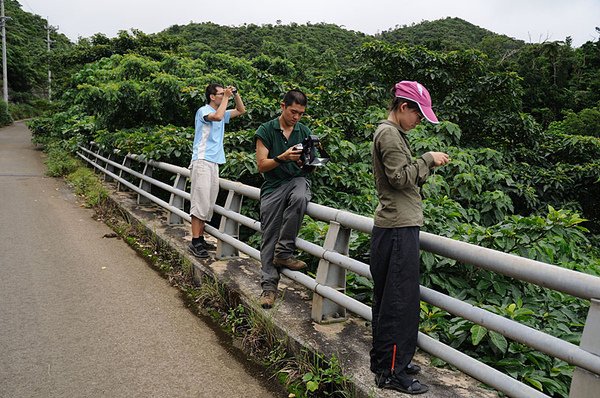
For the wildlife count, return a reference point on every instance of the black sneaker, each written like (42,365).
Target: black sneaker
(198,251)
(404,384)
(208,246)
(204,243)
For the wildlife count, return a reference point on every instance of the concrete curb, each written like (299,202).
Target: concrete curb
(349,341)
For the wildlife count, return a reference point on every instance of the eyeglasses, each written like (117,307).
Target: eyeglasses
(419,115)
(221,93)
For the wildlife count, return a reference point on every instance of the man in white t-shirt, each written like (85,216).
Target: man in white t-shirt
(207,155)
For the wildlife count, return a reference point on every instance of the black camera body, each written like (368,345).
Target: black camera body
(313,153)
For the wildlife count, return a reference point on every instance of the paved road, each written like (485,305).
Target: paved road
(84,316)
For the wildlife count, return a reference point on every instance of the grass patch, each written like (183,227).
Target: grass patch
(87,185)
(60,162)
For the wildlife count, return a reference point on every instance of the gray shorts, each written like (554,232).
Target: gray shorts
(205,188)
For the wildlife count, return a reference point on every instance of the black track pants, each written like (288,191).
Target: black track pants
(395,270)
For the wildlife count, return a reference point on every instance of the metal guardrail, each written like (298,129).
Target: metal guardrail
(330,301)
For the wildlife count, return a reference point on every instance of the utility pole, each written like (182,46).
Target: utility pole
(3,20)
(49,71)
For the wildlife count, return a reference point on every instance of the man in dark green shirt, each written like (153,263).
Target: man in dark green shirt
(285,193)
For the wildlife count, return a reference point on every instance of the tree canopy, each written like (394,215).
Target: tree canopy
(27,52)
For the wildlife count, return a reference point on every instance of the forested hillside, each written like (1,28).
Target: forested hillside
(521,123)
(449,34)
(27,53)
(313,41)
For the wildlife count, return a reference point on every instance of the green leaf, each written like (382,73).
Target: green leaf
(534,383)
(478,332)
(499,341)
(312,386)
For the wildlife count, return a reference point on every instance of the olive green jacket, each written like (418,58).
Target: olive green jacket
(398,178)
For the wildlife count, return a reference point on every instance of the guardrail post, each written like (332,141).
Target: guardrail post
(177,201)
(145,185)
(97,159)
(230,227)
(109,167)
(586,384)
(83,153)
(328,274)
(126,164)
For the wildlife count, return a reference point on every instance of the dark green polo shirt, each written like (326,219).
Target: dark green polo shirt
(272,137)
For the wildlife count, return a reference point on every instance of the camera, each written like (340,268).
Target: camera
(313,153)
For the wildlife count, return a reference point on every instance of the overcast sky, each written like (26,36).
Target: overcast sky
(529,20)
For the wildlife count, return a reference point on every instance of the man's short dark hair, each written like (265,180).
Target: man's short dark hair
(295,97)
(211,89)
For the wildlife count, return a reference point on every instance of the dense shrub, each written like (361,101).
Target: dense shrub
(5,117)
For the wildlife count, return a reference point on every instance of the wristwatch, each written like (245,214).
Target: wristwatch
(276,158)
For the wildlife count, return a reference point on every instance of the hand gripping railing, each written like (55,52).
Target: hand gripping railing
(330,301)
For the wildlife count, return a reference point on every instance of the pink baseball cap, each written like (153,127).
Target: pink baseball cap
(416,92)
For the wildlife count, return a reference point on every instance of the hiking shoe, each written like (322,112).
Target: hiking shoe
(291,263)
(198,251)
(396,382)
(209,246)
(267,298)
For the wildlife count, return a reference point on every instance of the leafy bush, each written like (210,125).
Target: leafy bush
(29,109)
(585,122)
(70,127)
(5,117)
(169,143)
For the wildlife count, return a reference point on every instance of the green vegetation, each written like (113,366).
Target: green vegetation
(26,110)
(27,57)
(85,183)
(60,162)
(450,34)
(5,117)
(521,125)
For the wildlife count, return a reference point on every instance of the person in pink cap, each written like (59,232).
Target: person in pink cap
(394,261)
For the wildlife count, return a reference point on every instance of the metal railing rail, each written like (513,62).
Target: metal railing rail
(329,285)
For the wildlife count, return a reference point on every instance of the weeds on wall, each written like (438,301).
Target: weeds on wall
(302,372)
